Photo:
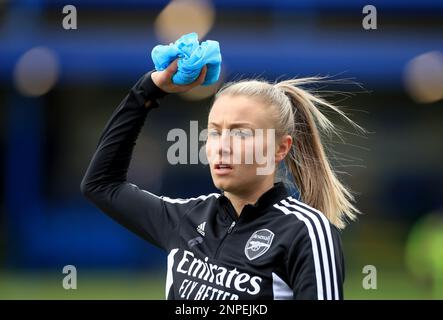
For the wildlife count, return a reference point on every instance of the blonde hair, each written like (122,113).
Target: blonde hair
(298,113)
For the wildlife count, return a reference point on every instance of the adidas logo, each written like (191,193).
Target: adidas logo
(201,228)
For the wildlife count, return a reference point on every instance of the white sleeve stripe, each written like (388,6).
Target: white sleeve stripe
(182,201)
(318,274)
(179,200)
(169,274)
(322,241)
(330,242)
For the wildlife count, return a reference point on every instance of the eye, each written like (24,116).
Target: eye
(241,133)
(213,133)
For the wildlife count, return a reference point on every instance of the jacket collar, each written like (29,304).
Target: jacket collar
(251,211)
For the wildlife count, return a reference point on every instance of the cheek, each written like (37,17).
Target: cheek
(265,146)
(248,148)
(210,149)
(260,148)
(237,147)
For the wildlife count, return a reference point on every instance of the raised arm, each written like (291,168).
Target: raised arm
(105,181)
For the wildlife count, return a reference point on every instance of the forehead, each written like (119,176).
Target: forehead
(228,109)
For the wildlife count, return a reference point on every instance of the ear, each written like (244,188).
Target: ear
(283,147)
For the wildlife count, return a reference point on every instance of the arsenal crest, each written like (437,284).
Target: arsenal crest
(258,243)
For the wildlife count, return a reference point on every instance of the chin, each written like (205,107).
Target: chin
(222,184)
(229,186)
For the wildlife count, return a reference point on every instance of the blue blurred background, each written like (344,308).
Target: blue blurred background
(59,87)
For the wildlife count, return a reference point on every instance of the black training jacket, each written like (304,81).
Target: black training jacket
(279,247)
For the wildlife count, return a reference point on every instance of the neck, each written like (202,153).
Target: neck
(239,200)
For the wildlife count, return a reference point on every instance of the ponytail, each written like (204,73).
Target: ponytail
(307,161)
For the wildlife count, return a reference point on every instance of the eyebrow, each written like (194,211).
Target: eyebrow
(233,125)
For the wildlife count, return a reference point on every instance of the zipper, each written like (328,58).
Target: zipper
(231,227)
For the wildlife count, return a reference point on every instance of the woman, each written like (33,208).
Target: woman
(253,240)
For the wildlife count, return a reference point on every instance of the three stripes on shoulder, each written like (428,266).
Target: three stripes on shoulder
(318,227)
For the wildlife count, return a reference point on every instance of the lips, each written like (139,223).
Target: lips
(222,169)
(222,166)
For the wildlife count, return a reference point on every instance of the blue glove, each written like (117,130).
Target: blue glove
(192,58)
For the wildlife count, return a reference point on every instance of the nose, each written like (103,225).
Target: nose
(224,146)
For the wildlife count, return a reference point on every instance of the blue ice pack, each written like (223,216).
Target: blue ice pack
(192,57)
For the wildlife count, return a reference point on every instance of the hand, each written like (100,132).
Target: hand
(163,79)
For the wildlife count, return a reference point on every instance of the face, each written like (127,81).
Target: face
(241,148)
